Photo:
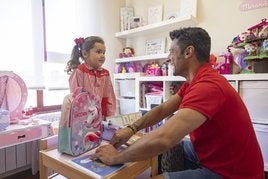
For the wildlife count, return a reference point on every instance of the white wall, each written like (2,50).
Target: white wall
(222,19)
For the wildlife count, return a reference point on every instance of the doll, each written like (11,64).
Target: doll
(127,52)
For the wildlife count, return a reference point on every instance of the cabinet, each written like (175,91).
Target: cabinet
(161,30)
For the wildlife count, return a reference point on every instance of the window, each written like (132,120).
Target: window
(36,42)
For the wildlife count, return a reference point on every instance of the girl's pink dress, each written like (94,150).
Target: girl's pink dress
(97,81)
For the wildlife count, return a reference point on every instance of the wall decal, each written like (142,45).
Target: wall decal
(247,5)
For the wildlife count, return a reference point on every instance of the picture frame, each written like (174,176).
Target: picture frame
(172,15)
(188,7)
(135,22)
(155,14)
(156,46)
(125,14)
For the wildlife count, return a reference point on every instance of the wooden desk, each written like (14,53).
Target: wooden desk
(60,163)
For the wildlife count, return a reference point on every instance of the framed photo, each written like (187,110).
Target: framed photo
(156,46)
(188,7)
(155,14)
(172,15)
(125,14)
(135,22)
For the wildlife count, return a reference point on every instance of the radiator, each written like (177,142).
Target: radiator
(18,158)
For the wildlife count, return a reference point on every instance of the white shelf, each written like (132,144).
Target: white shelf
(251,76)
(142,58)
(127,75)
(231,77)
(161,78)
(164,26)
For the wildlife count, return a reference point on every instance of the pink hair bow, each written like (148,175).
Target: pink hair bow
(79,41)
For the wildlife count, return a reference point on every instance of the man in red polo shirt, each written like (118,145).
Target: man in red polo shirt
(222,140)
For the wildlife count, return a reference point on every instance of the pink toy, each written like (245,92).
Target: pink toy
(226,67)
(153,70)
(258,27)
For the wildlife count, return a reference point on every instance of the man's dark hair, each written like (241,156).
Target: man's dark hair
(195,36)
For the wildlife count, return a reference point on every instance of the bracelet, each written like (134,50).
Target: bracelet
(133,129)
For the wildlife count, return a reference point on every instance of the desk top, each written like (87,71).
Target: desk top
(25,124)
(62,164)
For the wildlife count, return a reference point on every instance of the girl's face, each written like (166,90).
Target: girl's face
(95,57)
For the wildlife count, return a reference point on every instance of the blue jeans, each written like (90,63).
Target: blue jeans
(193,169)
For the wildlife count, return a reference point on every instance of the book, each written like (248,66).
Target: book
(95,167)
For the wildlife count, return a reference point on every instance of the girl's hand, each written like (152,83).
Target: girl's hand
(121,136)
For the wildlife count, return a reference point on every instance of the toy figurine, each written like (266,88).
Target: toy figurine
(226,67)
(164,69)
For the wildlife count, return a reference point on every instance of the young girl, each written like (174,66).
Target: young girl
(90,74)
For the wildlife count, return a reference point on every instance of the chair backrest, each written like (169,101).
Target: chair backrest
(49,142)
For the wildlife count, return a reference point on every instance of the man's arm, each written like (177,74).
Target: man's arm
(157,141)
(158,113)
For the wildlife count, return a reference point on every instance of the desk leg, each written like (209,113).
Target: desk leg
(42,169)
(154,166)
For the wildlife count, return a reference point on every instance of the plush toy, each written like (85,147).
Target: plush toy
(264,47)
(251,49)
(263,32)
(127,52)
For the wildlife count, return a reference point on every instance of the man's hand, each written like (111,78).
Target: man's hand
(121,136)
(107,154)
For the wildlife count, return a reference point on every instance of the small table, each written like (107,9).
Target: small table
(60,163)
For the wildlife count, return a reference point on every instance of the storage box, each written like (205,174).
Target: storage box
(255,97)
(262,136)
(153,98)
(127,88)
(127,105)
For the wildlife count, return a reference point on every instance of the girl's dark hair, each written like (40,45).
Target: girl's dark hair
(195,36)
(77,52)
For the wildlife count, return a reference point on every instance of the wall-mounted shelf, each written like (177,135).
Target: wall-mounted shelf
(164,26)
(142,58)
(245,77)
(127,75)
(161,78)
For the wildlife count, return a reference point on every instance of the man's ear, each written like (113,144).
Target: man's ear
(188,52)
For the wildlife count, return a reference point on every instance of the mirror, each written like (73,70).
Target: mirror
(13,94)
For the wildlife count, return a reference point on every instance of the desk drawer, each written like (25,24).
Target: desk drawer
(21,136)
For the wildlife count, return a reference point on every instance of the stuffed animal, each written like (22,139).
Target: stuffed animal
(127,52)
(263,32)
(264,47)
(251,49)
